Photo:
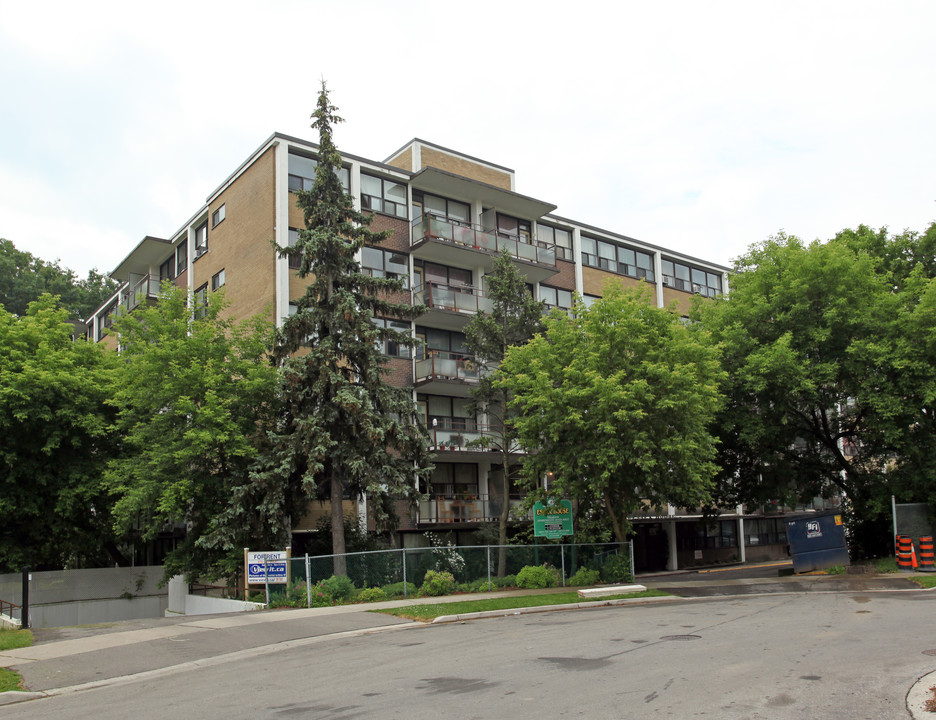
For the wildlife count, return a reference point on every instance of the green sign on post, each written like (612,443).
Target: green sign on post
(553,520)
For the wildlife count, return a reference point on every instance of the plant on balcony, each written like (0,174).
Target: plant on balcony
(344,431)
(513,319)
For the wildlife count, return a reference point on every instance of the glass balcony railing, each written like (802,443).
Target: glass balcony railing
(447,366)
(443,506)
(147,288)
(436,228)
(459,434)
(462,298)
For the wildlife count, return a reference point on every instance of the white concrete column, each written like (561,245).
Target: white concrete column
(672,562)
(281,231)
(658,276)
(577,257)
(742,555)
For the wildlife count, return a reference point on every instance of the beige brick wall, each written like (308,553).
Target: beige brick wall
(682,299)
(316,510)
(399,239)
(404,160)
(242,243)
(593,281)
(465,168)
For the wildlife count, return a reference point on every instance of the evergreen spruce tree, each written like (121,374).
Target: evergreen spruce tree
(515,317)
(345,430)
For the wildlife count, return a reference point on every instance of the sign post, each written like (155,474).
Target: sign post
(268,567)
(553,520)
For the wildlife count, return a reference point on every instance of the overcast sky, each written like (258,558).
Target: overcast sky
(698,126)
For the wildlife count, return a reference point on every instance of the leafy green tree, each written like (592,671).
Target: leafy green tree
(195,398)
(616,402)
(515,317)
(24,277)
(345,430)
(807,348)
(54,436)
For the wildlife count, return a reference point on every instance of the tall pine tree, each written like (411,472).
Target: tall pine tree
(515,317)
(345,431)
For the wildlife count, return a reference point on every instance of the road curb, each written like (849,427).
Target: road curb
(918,694)
(549,608)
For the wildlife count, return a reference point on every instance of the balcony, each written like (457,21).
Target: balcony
(452,242)
(446,373)
(451,306)
(147,288)
(444,507)
(456,434)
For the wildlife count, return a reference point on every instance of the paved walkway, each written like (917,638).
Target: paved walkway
(65,660)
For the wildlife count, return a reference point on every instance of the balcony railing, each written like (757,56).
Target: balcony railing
(459,434)
(445,507)
(457,298)
(431,227)
(447,366)
(147,288)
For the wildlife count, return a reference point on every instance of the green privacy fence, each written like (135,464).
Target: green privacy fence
(468,564)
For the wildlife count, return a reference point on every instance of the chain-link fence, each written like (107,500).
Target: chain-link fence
(474,566)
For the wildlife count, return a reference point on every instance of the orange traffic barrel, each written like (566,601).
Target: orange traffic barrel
(926,551)
(904,552)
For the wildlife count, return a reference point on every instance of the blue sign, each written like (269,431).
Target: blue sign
(263,567)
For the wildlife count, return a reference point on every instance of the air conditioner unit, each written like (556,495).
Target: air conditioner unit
(696,288)
(667,280)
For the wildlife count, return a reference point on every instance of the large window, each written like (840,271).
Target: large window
(218,280)
(555,297)
(443,343)
(430,272)
(302,173)
(181,257)
(446,413)
(691,279)
(378,262)
(514,227)
(295,261)
(201,239)
(384,196)
(453,210)
(201,302)
(392,347)
(561,239)
(454,479)
(167,269)
(617,258)
(764,531)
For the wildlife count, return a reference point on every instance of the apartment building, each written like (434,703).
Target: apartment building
(449,215)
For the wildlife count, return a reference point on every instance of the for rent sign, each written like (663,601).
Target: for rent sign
(553,520)
(267,566)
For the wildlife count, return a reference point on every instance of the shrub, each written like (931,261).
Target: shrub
(437,583)
(481,585)
(537,576)
(339,587)
(374,594)
(508,581)
(585,576)
(616,569)
(395,590)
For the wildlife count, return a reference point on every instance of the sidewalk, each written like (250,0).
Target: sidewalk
(68,659)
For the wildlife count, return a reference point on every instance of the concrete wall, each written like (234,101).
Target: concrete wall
(182,603)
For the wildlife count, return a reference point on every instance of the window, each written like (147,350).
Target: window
(447,413)
(217,280)
(690,279)
(454,479)
(430,272)
(453,210)
(200,303)
(555,297)
(302,173)
(201,239)
(393,347)
(217,216)
(181,257)
(617,258)
(295,261)
(384,196)
(167,269)
(443,343)
(377,262)
(557,237)
(514,227)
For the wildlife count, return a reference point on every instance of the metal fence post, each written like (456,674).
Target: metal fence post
(24,611)
(308,582)
(489,567)
(266,580)
(630,552)
(404,572)
(562,555)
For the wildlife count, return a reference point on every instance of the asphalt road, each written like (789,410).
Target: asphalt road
(801,655)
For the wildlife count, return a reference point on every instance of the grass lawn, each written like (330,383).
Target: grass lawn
(10,640)
(430,612)
(926,581)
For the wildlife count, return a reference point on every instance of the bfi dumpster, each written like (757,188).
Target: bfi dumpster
(817,541)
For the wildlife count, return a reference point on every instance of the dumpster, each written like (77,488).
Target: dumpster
(817,541)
